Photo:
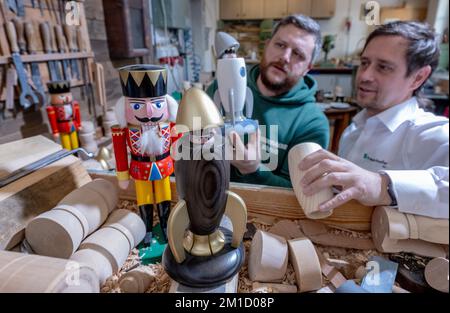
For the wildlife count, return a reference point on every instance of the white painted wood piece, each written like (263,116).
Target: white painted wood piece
(310,204)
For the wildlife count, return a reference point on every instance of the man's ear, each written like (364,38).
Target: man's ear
(420,77)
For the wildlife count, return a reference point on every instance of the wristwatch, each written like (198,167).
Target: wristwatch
(390,190)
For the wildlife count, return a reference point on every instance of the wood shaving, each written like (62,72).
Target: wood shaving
(161,284)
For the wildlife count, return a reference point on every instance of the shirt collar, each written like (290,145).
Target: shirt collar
(393,117)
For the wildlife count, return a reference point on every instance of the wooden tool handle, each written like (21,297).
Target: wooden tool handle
(69,36)
(12,36)
(20,35)
(52,39)
(62,43)
(81,43)
(31,40)
(45,33)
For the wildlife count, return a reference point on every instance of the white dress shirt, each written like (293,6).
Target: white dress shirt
(411,146)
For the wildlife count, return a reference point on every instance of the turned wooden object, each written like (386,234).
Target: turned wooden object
(38,192)
(268,257)
(109,119)
(393,231)
(31,273)
(137,280)
(59,232)
(436,274)
(87,137)
(95,260)
(114,240)
(310,204)
(305,261)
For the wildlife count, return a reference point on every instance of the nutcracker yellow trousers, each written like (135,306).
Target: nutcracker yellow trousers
(69,141)
(153,192)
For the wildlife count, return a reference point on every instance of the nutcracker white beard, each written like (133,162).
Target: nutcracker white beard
(151,142)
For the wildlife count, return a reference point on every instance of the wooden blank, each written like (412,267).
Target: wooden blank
(436,274)
(305,261)
(37,192)
(33,273)
(268,257)
(310,204)
(137,280)
(387,222)
(95,260)
(59,232)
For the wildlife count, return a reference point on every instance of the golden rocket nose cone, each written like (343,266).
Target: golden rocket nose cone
(196,112)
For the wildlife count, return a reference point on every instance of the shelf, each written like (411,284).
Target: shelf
(45,57)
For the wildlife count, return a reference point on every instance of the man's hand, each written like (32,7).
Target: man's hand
(246,159)
(322,169)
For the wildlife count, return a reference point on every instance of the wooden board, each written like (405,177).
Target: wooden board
(13,155)
(37,192)
(272,201)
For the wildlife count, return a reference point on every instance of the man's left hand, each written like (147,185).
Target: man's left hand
(322,169)
(246,158)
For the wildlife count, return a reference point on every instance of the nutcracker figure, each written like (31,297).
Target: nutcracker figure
(63,114)
(145,125)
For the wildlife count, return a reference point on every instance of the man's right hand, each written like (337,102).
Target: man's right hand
(123,184)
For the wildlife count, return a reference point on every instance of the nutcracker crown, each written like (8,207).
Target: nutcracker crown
(143,81)
(58,86)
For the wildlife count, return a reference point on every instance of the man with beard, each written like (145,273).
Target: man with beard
(393,153)
(283,97)
(145,126)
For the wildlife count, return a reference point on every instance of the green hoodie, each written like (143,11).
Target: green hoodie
(298,119)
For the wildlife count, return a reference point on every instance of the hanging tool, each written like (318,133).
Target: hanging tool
(26,93)
(45,34)
(71,40)
(20,8)
(20,36)
(30,168)
(62,48)
(35,73)
(85,69)
(12,5)
(41,7)
(11,81)
(59,65)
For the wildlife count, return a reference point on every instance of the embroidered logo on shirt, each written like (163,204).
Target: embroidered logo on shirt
(367,157)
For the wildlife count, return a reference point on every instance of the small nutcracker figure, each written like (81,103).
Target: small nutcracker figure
(63,114)
(145,126)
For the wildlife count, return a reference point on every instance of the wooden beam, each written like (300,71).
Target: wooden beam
(45,57)
(272,201)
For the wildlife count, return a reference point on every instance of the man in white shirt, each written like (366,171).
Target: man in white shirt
(393,153)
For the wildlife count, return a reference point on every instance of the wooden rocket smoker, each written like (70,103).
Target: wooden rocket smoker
(206,255)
